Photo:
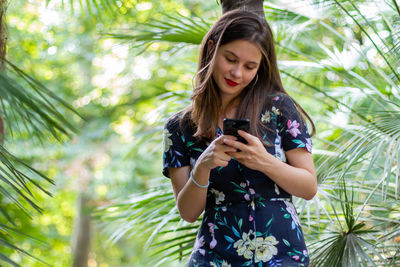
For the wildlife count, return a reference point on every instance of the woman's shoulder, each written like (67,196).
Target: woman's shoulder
(284,103)
(279,102)
(178,122)
(173,120)
(281,99)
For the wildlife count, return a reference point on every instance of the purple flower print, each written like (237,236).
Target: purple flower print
(198,246)
(213,242)
(309,144)
(247,196)
(250,218)
(211,227)
(293,128)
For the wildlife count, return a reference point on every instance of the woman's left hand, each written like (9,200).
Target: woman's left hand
(253,154)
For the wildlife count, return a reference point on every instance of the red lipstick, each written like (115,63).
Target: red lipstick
(230,82)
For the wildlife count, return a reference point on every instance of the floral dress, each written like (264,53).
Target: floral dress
(248,220)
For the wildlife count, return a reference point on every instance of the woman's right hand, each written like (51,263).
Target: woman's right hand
(216,154)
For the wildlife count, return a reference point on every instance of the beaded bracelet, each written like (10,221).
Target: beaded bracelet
(194,181)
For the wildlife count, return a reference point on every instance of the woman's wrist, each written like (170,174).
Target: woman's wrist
(196,183)
(200,174)
(271,165)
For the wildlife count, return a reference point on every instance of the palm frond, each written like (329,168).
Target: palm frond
(348,245)
(373,144)
(96,8)
(7,244)
(5,235)
(176,29)
(14,180)
(364,24)
(27,103)
(152,214)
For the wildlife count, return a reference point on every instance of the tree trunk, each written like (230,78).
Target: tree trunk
(82,233)
(83,224)
(3,32)
(3,44)
(255,6)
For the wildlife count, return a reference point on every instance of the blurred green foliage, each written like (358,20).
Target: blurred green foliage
(113,88)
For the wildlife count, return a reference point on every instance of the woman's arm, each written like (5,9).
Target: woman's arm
(296,177)
(190,198)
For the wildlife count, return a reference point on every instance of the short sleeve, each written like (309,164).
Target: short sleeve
(175,154)
(293,127)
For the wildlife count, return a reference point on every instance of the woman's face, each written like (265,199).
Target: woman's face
(235,67)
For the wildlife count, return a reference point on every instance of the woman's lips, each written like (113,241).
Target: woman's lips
(230,82)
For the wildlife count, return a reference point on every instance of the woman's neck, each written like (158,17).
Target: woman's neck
(229,110)
(229,113)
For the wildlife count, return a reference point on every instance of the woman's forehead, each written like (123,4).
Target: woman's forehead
(243,49)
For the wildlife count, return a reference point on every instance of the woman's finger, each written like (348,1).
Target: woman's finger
(248,137)
(225,157)
(235,144)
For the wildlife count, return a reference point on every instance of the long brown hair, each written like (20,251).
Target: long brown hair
(255,97)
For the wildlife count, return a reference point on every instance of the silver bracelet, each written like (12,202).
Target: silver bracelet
(194,181)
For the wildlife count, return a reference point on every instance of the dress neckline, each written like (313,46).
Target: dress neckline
(219,131)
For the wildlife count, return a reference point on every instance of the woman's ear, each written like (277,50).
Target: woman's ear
(210,45)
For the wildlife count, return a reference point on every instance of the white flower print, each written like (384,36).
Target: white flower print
(266,117)
(276,111)
(245,246)
(253,205)
(279,153)
(292,210)
(167,140)
(277,189)
(192,162)
(265,248)
(223,264)
(198,246)
(219,196)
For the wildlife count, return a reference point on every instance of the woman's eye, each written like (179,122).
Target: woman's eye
(250,68)
(230,59)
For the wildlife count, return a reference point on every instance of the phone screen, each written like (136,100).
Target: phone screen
(231,127)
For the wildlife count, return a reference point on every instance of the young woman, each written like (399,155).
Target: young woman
(245,190)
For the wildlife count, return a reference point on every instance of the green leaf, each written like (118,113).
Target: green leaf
(286,242)
(229,239)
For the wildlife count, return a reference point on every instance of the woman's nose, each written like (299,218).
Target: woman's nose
(236,71)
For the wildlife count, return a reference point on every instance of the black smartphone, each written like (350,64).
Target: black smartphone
(231,127)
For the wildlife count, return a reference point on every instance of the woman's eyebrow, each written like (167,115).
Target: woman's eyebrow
(251,62)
